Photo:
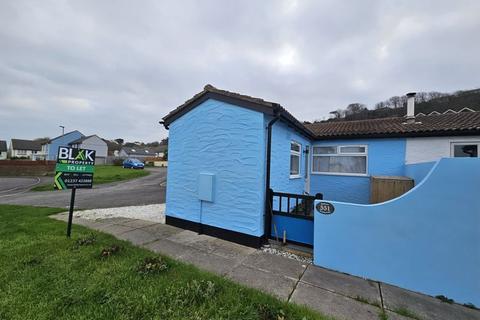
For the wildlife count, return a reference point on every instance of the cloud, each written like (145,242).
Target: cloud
(114,68)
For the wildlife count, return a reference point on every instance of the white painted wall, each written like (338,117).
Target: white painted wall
(432,148)
(97,144)
(3,155)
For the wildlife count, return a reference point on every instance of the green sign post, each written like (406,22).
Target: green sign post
(74,169)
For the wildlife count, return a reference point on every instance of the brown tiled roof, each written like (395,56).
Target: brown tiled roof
(434,125)
(443,124)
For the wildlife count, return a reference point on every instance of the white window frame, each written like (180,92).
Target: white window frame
(299,154)
(338,154)
(454,143)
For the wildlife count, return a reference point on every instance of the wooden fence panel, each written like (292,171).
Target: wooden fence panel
(383,188)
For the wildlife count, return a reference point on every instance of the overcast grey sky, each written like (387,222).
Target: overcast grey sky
(115,68)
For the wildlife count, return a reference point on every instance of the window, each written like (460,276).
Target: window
(465,149)
(295,151)
(22,152)
(348,160)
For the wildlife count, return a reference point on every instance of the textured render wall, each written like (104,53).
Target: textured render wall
(385,157)
(418,171)
(61,142)
(229,142)
(427,240)
(280,180)
(432,148)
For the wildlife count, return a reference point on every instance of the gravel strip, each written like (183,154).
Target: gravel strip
(152,212)
(268,249)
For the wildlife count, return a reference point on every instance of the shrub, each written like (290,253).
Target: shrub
(118,162)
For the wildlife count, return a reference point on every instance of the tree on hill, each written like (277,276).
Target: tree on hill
(395,106)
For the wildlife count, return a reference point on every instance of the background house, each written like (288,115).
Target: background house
(50,148)
(3,149)
(27,149)
(142,153)
(93,142)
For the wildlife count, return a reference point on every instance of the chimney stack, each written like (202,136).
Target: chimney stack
(410,107)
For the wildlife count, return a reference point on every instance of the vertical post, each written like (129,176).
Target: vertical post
(70,213)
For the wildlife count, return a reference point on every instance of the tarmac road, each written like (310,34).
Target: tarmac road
(145,190)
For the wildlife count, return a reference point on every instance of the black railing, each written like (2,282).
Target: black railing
(294,205)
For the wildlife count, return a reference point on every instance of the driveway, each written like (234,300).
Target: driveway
(141,191)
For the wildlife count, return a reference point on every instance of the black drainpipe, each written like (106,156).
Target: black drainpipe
(268,204)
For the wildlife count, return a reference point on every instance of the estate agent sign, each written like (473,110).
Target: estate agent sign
(74,170)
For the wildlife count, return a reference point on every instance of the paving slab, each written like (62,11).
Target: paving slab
(168,248)
(423,306)
(274,284)
(341,283)
(209,262)
(276,264)
(232,250)
(334,305)
(114,229)
(114,220)
(137,223)
(137,236)
(187,237)
(162,230)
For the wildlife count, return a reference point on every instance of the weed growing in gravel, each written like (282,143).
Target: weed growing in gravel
(152,265)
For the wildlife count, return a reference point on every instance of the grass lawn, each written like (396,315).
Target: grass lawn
(104,174)
(44,275)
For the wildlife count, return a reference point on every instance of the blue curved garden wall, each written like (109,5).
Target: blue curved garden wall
(427,240)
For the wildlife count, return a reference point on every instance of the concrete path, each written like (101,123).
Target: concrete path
(332,293)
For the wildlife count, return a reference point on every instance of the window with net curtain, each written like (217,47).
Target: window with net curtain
(295,150)
(340,159)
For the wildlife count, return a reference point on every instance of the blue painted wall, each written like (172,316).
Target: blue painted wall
(418,171)
(52,148)
(229,142)
(280,180)
(385,157)
(427,240)
(299,230)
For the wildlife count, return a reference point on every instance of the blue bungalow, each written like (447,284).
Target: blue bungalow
(50,149)
(245,169)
